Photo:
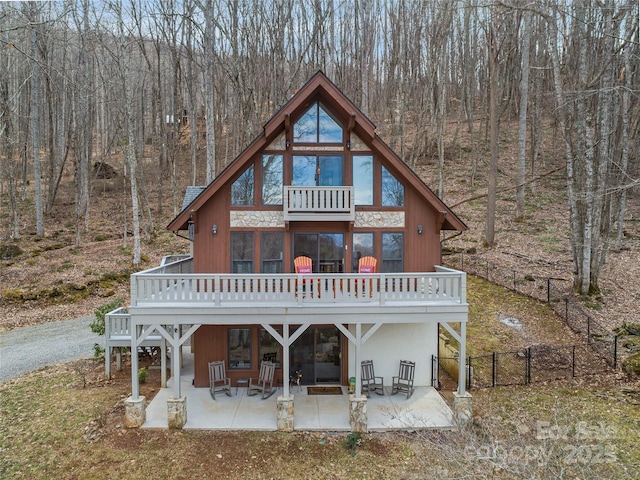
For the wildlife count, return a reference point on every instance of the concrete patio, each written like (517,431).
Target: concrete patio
(425,409)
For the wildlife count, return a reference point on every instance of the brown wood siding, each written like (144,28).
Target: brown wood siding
(421,252)
(211,343)
(211,252)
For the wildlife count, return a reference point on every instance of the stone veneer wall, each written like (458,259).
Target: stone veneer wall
(379,219)
(275,219)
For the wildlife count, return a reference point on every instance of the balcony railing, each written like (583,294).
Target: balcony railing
(319,203)
(155,287)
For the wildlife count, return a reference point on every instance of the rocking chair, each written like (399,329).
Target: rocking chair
(264,383)
(369,380)
(218,381)
(404,381)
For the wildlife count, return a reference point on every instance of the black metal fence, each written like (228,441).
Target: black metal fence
(557,292)
(521,367)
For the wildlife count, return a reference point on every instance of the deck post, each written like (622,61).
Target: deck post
(462,410)
(134,412)
(285,412)
(358,375)
(462,356)
(358,413)
(285,362)
(135,385)
(175,360)
(176,412)
(163,363)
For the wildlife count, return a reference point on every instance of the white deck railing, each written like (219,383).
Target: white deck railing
(319,203)
(153,287)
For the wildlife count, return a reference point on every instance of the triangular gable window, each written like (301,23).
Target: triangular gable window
(317,126)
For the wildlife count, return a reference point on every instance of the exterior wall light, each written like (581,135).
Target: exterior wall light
(419,229)
(214,229)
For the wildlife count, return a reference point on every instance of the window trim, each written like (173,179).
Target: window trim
(318,105)
(250,349)
(232,259)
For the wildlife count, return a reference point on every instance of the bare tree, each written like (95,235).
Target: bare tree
(522,116)
(32,14)
(494,95)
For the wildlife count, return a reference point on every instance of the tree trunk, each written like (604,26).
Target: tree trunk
(209,91)
(493,134)
(35,118)
(522,121)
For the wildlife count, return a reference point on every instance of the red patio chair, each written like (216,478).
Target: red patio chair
(367,265)
(302,264)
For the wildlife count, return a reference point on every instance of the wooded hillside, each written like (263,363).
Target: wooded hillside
(487,101)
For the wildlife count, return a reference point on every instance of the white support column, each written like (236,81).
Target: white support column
(285,360)
(462,359)
(175,361)
(135,386)
(163,364)
(358,390)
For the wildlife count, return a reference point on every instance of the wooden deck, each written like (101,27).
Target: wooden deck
(170,285)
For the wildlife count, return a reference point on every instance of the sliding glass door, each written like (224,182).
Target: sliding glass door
(326,250)
(317,354)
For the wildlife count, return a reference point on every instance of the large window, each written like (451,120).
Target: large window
(269,349)
(317,170)
(363,179)
(241,252)
(242,189)
(392,252)
(239,348)
(272,179)
(392,190)
(362,247)
(271,252)
(317,126)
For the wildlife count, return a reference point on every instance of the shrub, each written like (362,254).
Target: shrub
(97,326)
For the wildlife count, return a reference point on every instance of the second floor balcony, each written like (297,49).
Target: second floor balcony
(310,203)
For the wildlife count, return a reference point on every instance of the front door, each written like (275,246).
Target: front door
(317,354)
(326,250)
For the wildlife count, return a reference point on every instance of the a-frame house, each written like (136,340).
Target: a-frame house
(317,183)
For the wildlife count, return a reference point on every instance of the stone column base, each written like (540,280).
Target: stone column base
(358,413)
(462,409)
(285,414)
(176,412)
(134,413)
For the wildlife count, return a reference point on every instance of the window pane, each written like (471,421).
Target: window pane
(304,170)
(328,129)
(272,179)
(363,179)
(362,247)
(268,347)
(239,348)
(331,248)
(271,251)
(392,252)
(392,190)
(305,130)
(317,126)
(242,189)
(330,171)
(241,252)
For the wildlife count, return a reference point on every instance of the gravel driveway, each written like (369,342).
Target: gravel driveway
(27,349)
